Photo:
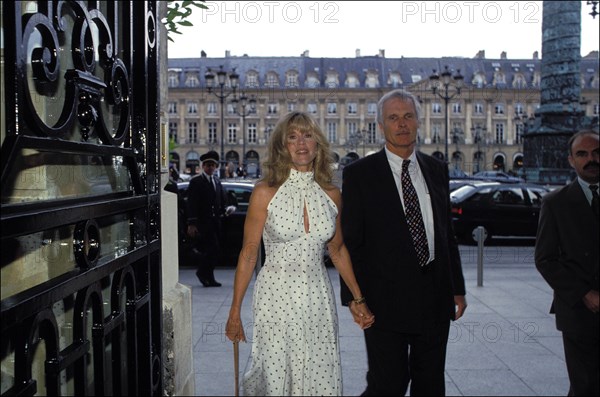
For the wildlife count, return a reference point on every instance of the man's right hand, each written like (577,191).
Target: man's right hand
(192,231)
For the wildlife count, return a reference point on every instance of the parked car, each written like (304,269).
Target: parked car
(238,194)
(457,173)
(499,176)
(458,183)
(502,209)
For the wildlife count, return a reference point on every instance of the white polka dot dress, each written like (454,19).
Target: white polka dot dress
(295,349)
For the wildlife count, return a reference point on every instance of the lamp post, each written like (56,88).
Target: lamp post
(222,94)
(478,133)
(244,111)
(365,136)
(445,93)
(457,135)
(354,139)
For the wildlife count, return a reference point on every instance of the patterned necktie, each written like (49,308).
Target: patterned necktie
(594,189)
(414,218)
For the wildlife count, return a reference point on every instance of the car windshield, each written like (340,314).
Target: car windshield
(536,194)
(466,191)
(462,192)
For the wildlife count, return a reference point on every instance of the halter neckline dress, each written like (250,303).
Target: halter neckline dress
(295,349)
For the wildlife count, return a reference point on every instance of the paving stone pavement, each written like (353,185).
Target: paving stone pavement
(505,345)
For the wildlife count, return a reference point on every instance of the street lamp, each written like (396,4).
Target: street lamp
(222,94)
(354,139)
(364,133)
(457,135)
(244,101)
(446,94)
(478,132)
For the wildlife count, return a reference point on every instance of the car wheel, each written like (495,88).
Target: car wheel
(487,237)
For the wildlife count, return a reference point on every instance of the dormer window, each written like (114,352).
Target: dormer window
(499,78)
(272,80)
(332,79)
(252,80)
(291,79)
(312,80)
(394,79)
(372,80)
(519,81)
(479,80)
(173,80)
(192,80)
(352,81)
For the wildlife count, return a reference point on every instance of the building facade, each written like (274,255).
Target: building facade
(479,128)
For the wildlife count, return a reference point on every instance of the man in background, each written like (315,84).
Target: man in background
(206,205)
(566,254)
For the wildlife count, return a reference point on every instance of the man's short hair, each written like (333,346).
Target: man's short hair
(577,135)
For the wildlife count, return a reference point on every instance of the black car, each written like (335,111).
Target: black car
(502,209)
(238,194)
(498,176)
(454,184)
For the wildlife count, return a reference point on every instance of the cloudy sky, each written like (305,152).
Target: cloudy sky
(401,28)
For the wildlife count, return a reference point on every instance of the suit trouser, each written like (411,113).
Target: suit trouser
(581,355)
(209,248)
(397,359)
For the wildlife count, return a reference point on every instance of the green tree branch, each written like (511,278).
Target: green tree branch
(177,15)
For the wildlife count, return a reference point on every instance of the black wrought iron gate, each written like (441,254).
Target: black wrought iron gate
(80,199)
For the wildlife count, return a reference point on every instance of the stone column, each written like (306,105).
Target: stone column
(178,357)
(559,116)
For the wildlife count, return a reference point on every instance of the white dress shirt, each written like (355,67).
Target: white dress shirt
(586,189)
(418,181)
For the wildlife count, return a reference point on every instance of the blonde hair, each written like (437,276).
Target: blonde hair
(278,163)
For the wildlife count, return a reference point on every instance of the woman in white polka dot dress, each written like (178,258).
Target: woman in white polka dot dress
(295,209)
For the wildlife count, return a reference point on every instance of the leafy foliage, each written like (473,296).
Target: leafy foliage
(177,14)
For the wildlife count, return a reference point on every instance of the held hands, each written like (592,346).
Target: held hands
(361,313)
(234,329)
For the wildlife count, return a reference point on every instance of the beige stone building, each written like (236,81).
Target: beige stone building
(480,128)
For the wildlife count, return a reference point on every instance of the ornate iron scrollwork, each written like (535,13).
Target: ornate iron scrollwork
(86,244)
(100,106)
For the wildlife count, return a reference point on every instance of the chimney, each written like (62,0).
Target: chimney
(358,52)
(382,53)
(202,54)
(305,53)
(480,54)
(227,53)
(536,55)
(503,55)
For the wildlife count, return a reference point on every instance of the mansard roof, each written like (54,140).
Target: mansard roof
(410,70)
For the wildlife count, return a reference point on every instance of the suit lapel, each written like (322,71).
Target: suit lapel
(582,209)
(388,183)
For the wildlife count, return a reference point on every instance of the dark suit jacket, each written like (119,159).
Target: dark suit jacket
(403,296)
(205,205)
(566,254)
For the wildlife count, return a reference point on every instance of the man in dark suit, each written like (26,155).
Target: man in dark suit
(567,256)
(206,205)
(410,276)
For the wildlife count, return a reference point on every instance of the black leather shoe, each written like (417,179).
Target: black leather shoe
(213,283)
(205,282)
